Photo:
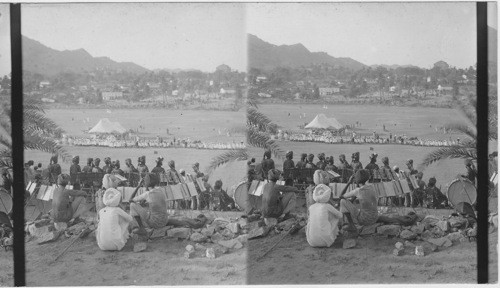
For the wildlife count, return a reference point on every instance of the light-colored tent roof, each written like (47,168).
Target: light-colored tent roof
(108,127)
(322,122)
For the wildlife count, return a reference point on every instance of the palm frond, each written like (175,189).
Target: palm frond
(6,141)
(451,152)
(228,156)
(35,121)
(260,121)
(462,128)
(259,139)
(6,158)
(33,105)
(36,142)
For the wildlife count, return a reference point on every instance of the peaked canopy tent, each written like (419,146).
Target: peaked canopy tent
(104,126)
(323,122)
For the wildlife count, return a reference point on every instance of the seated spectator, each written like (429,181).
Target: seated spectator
(366,212)
(322,226)
(112,231)
(67,204)
(155,215)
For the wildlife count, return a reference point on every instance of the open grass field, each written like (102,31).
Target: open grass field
(396,119)
(195,124)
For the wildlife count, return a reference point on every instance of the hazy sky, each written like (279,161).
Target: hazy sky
(162,35)
(373,33)
(205,35)
(4,40)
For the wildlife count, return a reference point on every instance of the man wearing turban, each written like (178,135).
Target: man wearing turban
(277,200)
(322,226)
(366,212)
(267,162)
(112,231)
(54,169)
(141,165)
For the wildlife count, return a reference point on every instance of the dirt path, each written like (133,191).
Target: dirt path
(163,263)
(371,261)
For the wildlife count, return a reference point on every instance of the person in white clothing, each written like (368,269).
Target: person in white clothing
(322,226)
(112,230)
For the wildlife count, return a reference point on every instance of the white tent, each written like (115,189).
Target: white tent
(107,127)
(322,122)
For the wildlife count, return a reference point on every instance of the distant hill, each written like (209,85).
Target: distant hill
(394,66)
(264,55)
(38,58)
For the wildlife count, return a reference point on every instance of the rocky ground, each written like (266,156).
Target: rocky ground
(210,255)
(381,254)
(229,250)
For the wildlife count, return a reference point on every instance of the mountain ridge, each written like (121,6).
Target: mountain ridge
(265,55)
(39,58)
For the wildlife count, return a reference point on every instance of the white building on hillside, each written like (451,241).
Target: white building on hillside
(107,96)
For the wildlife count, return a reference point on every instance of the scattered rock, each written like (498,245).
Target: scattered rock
(426,234)
(271,222)
(398,252)
(140,246)
(455,236)
(370,229)
(437,232)
(77,228)
(216,237)
(429,247)
(419,251)
(182,233)
(430,221)
(418,228)
(457,222)
(443,241)
(199,246)
(189,248)
(408,235)
(233,243)
(198,237)
(349,243)
(399,245)
(443,225)
(219,250)
(243,222)
(388,230)
(189,254)
(242,238)
(39,231)
(158,233)
(210,253)
(234,227)
(472,232)
(227,234)
(198,230)
(286,225)
(209,231)
(258,232)
(41,223)
(48,237)
(409,244)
